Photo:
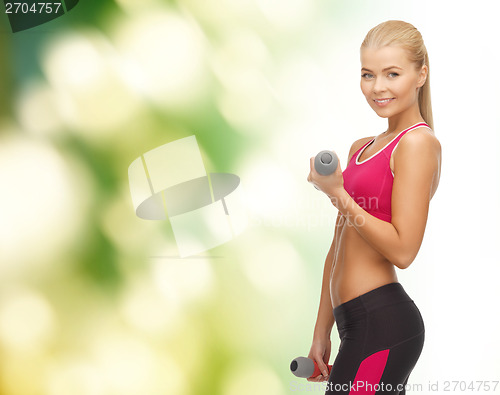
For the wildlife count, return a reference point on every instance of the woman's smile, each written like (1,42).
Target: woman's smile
(383,102)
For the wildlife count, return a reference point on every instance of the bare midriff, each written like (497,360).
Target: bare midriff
(357,267)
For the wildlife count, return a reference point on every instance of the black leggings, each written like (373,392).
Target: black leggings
(381,338)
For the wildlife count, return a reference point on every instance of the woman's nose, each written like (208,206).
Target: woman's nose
(378,86)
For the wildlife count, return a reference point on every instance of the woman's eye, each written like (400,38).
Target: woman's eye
(368,75)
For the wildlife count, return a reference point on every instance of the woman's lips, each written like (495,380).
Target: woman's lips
(383,102)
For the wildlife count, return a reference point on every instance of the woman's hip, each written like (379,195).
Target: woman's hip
(385,315)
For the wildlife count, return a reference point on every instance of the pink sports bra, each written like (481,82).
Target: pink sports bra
(369,182)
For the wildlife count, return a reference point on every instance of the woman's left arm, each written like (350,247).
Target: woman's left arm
(416,168)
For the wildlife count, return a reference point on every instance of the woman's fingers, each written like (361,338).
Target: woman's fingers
(322,367)
(311,165)
(320,350)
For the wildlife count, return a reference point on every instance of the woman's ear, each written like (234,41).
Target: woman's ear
(422,76)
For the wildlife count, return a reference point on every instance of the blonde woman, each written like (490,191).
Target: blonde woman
(383,199)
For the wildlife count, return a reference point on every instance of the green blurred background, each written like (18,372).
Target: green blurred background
(94,300)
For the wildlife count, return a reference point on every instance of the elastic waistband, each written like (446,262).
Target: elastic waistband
(379,297)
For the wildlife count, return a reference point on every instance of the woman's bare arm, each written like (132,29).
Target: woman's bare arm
(325,319)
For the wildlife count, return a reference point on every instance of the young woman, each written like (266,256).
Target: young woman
(383,200)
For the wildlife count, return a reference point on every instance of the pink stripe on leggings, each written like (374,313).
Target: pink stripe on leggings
(369,374)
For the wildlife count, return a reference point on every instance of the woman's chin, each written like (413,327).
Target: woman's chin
(381,114)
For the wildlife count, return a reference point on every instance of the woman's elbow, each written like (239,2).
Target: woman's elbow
(402,264)
(404,261)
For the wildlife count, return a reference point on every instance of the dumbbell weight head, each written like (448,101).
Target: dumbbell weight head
(302,367)
(326,162)
(306,367)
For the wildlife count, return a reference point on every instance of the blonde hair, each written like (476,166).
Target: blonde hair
(406,36)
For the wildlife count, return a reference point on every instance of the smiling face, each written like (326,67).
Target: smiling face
(387,73)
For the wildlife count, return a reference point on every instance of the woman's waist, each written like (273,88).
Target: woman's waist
(350,278)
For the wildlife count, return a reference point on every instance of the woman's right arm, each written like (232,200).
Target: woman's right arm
(321,346)
(325,320)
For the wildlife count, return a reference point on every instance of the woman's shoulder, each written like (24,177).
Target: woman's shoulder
(421,138)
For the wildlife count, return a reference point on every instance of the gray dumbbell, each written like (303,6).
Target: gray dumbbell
(306,367)
(326,162)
